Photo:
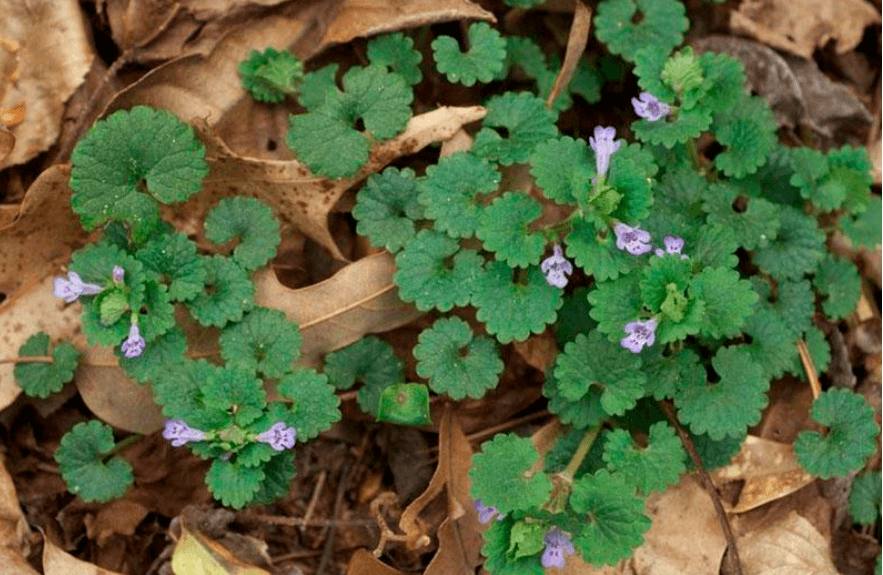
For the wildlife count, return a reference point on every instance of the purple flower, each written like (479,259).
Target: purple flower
(486,512)
(134,344)
(649,108)
(73,287)
(180,433)
(280,436)
(633,240)
(673,246)
(558,546)
(118,274)
(639,334)
(556,268)
(604,146)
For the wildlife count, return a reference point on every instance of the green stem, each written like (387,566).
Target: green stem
(29,359)
(124,443)
(582,450)
(694,155)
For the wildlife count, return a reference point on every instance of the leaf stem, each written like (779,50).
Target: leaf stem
(124,443)
(585,444)
(29,359)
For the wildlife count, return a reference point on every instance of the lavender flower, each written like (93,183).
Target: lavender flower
(556,268)
(118,274)
(180,433)
(486,512)
(649,108)
(280,436)
(639,334)
(134,344)
(73,287)
(558,546)
(633,240)
(673,246)
(604,146)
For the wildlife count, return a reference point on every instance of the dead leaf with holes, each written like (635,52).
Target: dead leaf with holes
(359,299)
(801,26)
(45,53)
(298,196)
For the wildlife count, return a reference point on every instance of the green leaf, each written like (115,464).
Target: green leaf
(451,192)
(456,362)
(178,389)
(249,220)
(434,272)
(512,311)
(265,340)
(174,258)
(497,560)
(382,100)
(687,125)
(44,379)
(747,131)
(730,406)
(316,87)
(370,360)
(525,122)
(865,230)
(592,360)
(850,439)
(728,300)
(233,484)
(683,73)
(82,461)
(656,278)
(278,473)
(651,468)
(315,405)
(327,145)
(130,161)
(754,221)
(631,170)
(840,179)
(627,26)
(713,246)
(404,404)
(839,281)
(523,3)
(797,250)
(561,167)
(795,305)
(501,475)
(614,521)
(773,345)
(593,247)
(164,351)
(396,52)
(387,207)
(666,373)
(270,75)
(663,286)
(715,453)
(237,391)
(864,498)
(483,61)
(582,413)
(95,262)
(526,539)
(503,226)
(227,295)
(616,303)
(819,350)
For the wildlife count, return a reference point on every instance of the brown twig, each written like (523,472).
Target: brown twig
(809,367)
(311,506)
(386,534)
(705,480)
(28,359)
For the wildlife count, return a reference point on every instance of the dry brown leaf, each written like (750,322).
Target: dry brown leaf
(31,308)
(576,45)
(359,299)
(51,56)
(14,531)
(113,397)
(119,517)
(801,26)
(302,198)
(57,562)
(38,235)
(788,547)
(7,142)
(196,552)
(364,563)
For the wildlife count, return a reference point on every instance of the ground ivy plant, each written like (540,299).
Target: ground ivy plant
(673,276)
(668,276)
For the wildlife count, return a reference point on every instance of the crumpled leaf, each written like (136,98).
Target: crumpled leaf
(298,196)
(47,49)
(802,26)
(359,299)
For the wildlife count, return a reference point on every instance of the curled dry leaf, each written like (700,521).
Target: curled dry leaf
(801,26)
(14,531)
(302,198)
(364,563)
(113,397)
(196,552)
(359,299)
(44,57)
(7,142)
(576,45)
(57,562)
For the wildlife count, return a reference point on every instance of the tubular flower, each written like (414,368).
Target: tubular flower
(486,512)
(558,546)
(118,274)
(673,246)
(633,240)
(179,433)
(556,268)
(639,334)
(73,287)
(649,108)
(280,436)
(604,146)
(134,344)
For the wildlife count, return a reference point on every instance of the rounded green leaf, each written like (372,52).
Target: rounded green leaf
(503,227)
(315,406)
(81,461)
(227,295)
(265,340)
(500,475)
(483,61)
(250,220)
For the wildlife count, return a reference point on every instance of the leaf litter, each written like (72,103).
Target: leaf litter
(165,524)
